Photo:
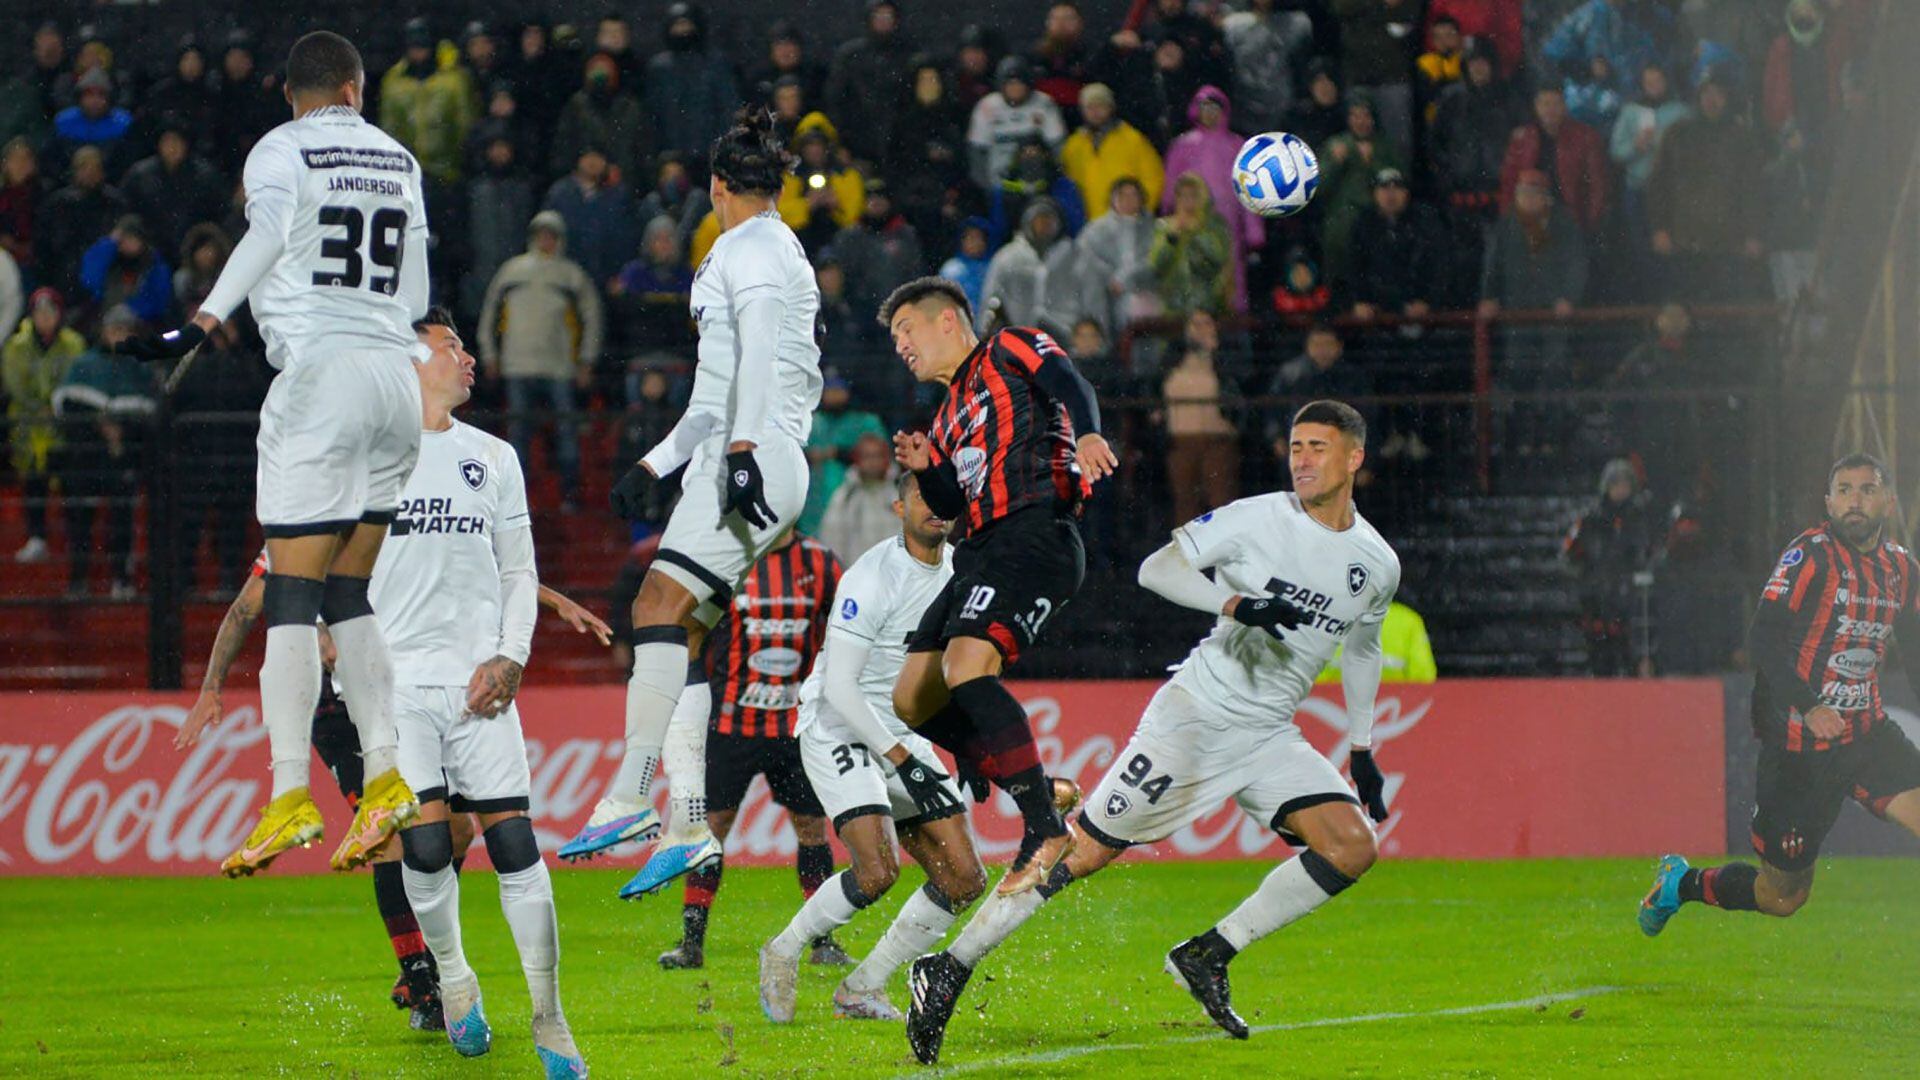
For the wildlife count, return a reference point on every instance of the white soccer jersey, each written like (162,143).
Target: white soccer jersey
(1268,545)
(878,604)
(760,258)
(347,201)
(436,586)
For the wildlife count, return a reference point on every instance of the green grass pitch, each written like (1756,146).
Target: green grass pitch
(1425,968)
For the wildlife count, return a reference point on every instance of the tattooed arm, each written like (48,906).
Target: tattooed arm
(234,628)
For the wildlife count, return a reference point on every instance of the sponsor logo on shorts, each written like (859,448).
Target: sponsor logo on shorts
(1118,803)
(474,473)
(779,663)
(1856,663)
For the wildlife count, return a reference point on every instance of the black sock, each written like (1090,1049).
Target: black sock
(1001,739)
(814,864)
(693,925)
(950,730)
(1033,793)
(1059,878)
(1690,886)
(1218,946)
(403,930)
(1728,887)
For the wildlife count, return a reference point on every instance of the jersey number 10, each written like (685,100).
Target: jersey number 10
(383,244)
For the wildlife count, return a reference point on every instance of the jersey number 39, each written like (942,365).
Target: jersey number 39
(383,248)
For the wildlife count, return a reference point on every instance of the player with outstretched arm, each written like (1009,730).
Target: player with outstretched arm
(1294,576)
(334,265)
(742,442)
(1012,453)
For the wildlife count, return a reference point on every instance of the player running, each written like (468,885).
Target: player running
(875,776)
(758,655)
(1012,452)
(334,265)
(1839,594)
(1294,576)
(742,443)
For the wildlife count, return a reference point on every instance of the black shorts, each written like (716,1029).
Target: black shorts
(1799,795)
(734,760)
(1007,583)
(338,743)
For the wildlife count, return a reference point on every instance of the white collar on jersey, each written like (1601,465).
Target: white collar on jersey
(333,110)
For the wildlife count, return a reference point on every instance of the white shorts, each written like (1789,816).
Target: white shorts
(475,764)
(853,781)
(1183,762)
(708,550)
(338,438)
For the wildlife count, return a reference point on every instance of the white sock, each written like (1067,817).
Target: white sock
(659,674)
(436,904)
(1285,895)
(920,924)
(828,909)
(289,690)
(526,896)
(994,923)
(686,760)
(366,682)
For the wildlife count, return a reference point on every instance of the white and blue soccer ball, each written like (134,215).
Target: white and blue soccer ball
(1275,174)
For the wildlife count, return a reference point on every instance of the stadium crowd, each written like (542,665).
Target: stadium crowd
(1477,156)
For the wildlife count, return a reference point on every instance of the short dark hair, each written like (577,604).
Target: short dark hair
(437,315)
(926,288)
(904,479)
(1338,415)
(1858,461)
(750,157)
(322,60)
(1448,19)
(1323,328)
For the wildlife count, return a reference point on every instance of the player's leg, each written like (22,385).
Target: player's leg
(955,879)
(417,989)
(813,868)
(699,887)
(1797,798)
(688,843)
(365,671)
(526,899)
(289,691)
(869,839)
(433,890)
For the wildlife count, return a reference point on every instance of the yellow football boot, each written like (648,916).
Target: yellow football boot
(289,821)
(387,805)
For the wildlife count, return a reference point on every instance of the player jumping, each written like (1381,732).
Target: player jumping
(334,265)
(758,655)
(1294,575)
(1011,453)
(875,776)
(1839,594)
(742,441)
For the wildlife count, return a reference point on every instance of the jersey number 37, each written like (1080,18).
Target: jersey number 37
(381,237)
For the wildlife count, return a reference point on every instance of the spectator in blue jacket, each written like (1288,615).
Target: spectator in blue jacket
(690,93)
(94,121)
(1628,36)
(122,267)
(1035,173)
(602,229)
(968,267)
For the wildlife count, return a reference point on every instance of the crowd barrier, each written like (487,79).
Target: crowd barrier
(90,782)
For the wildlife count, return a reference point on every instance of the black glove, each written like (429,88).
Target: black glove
(169,346)
(1368,782)
(746,492)
(1269,613)
(629,496)
(922,781)
(971,782)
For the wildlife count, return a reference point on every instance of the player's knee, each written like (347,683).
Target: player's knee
(511,846)
(1351,849)
(428,848)
(875,876)
(344,599)
(963,885)
(1782,904)
(291,601)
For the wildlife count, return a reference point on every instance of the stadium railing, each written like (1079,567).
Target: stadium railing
(1475,474)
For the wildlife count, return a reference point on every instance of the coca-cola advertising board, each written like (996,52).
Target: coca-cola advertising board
(90,782)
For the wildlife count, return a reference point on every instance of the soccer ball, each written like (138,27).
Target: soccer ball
(1275,174)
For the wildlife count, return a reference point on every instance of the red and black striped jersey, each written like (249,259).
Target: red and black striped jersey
(764,647)
(1820,635)
(1011,444)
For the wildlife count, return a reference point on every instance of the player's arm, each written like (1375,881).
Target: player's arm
(495,682)
(1173,574)
(414,291)
(232,636)
(939,479)
(1052,370)
(576,616)
(1906,634)
(846,656)
(1360,669)
(1772,638)
(668,456)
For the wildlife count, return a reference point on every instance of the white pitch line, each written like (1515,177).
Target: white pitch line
(1048,1057)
